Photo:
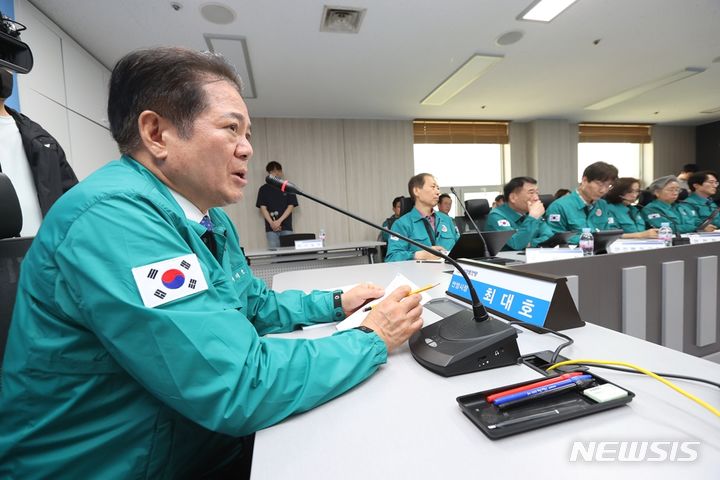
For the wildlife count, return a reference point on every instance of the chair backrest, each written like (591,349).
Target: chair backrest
(547,199)
(12,251)
(406,204)
(645,197)
(478,209)
(289,240)
(10,212)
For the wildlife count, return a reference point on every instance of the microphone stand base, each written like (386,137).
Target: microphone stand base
(458,344)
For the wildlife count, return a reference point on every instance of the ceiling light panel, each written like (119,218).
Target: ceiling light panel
(470,71)
(545,10)
(644,88)
(235,50)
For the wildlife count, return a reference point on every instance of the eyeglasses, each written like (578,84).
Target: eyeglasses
(603,185)
(671,190)
(712,182)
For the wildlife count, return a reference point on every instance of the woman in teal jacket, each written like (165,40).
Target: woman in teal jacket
(666,208)
(621,205)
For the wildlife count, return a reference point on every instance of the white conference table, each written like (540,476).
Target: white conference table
(404,422)
(266,263)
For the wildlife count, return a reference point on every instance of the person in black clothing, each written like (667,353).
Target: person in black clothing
(49,174)
(276,208)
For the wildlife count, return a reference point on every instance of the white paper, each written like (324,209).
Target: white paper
(357,318)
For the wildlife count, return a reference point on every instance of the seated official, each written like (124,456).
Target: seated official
(522,211)
(585,208)
(422,224)
(136,347)
(388,223)
(665,208)
(703,186)
(621,205)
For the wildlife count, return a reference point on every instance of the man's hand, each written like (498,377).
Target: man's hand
(536,209)
(649,233)
(358,296)
(276,225)
(396,318)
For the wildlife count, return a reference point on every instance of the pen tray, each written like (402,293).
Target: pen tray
(569,403)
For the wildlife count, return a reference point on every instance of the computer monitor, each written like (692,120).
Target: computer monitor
(470,245)
(603,238)
(560,238)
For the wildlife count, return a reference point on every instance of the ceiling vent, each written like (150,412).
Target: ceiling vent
(342,19)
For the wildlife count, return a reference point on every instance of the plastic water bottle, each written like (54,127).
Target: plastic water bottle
(322,236)
(665,234)
(587,242)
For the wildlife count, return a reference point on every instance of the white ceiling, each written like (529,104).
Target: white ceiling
(405,48)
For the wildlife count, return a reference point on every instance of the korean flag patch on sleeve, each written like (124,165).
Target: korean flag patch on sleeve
(653,215)
(163,282)
(503,223)
(555,217)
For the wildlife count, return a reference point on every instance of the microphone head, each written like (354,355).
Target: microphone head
(282,184)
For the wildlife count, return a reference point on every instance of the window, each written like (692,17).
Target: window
(467,155)
(618,145)
(627,157)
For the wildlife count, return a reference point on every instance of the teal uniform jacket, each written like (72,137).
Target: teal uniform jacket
(529,230)
(97,385)
(571,214)
(703,207)
(681,216)
(412,225)
(627,217)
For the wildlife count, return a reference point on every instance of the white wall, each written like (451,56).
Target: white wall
(66,92)
(359,165)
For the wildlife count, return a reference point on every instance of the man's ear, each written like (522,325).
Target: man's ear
(153,128)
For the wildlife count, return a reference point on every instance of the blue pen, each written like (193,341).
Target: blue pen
(540,390)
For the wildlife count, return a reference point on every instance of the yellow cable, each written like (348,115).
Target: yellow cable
(646,372)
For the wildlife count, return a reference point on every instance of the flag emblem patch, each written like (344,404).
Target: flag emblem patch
(168,280)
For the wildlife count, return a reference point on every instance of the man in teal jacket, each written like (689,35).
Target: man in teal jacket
(434,229)
(136,348)
(523,212)
(585,207)
(666,209)
(703,186)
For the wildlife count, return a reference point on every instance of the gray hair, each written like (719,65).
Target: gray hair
(662,182)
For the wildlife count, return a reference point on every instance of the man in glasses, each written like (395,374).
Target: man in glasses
(703,186)
(585,206)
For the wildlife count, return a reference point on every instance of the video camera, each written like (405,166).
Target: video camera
(14,54)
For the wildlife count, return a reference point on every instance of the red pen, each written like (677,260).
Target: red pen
(549,381)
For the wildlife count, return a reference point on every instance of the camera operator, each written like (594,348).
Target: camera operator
(31,158)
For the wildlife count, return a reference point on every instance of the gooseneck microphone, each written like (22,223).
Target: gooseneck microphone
(486,252)
(479,312)
(466,341)
(708,220)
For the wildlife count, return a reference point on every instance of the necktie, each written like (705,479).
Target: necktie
(207,223)
(208,238)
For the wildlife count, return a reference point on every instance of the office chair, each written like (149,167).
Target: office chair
(547,199)
(289,240)
(478,209)
(645,197)
(12,251)
(406,204)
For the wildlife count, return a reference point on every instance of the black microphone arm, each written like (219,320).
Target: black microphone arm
(486,252)
(479,312)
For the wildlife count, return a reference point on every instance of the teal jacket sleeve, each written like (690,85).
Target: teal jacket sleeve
(561,219)
(525,232)
(399,250)
(199,354)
